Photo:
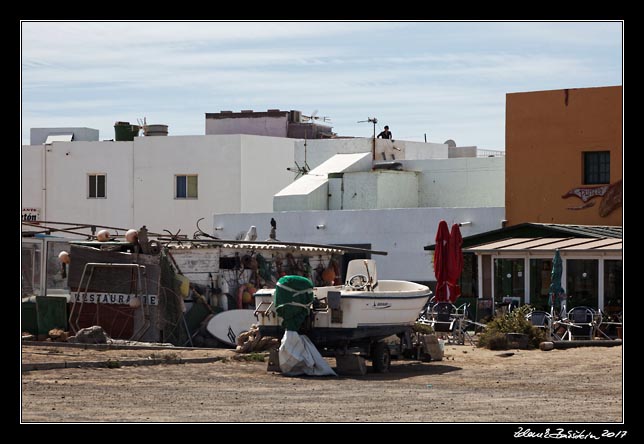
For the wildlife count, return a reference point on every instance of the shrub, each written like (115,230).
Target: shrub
(422,328)
(512,322)
(494,341)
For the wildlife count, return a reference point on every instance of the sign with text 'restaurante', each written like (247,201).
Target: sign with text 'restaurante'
(112,298)
(30,214)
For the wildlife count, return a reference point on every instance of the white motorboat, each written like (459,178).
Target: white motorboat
(363,310)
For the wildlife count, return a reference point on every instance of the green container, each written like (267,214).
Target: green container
(29,318)
(292,297)
(51,312)
(123,131)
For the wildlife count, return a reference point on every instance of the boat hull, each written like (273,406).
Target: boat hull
(342,315)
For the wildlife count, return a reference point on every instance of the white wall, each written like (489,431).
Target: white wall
(462,151)
(236,173)
(401,232)
(216,161)
(310,192)
(68,165)
(319,150)
(31,177)
(264,163)
(38,136)
(421,150)
(461,182)
(380,189)
(262,126)
(397,189)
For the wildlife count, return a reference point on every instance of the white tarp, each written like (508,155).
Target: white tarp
(298,355)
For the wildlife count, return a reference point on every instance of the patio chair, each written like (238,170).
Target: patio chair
(448,319)
(441,317)
(541,319)
(582,323)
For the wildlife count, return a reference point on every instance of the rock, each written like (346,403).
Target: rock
(90,335)
(58,335)
(546,346)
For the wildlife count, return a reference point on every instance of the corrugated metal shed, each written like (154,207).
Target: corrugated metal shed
(272,246)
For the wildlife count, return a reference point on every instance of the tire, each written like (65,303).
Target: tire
(380,357)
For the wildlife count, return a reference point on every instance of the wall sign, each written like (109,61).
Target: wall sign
(112,298)
(30,214)
(611,197)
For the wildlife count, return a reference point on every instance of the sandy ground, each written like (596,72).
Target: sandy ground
(469,385)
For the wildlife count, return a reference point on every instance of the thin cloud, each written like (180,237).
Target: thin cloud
(447,75)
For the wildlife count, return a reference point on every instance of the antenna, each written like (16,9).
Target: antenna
(143,125)
(301,170)
(374,121)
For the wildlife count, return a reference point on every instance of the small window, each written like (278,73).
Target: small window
(97,186)
(596,167)
(186,186)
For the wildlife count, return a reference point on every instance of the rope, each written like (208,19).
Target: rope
(292,290)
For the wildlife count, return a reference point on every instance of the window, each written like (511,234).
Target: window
(596,167)
(582,283)
(186,186)
(540,274)
(509,279)
(97,186)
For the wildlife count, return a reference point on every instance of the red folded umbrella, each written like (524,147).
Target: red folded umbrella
(454,263)
(441,253)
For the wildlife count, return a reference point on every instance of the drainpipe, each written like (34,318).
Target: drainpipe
(373,152)
(43,216)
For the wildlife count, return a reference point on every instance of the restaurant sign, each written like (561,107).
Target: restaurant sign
(611,197)
(30,214)
(112,298)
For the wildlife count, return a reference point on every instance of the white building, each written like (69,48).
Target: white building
(387,195)
(161,182)
(394,206)
(39,136)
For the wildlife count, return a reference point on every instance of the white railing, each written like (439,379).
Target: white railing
(489,153)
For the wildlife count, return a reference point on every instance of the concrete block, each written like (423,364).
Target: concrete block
(351,365)
(273,361)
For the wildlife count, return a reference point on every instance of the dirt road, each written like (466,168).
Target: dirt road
(470,385)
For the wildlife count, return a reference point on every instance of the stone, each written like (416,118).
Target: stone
(90,335)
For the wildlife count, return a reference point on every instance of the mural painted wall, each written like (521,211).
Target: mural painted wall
(564,156)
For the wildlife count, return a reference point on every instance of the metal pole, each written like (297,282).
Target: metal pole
(373,154)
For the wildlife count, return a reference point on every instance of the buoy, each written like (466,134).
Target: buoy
(103,236)
(131,235)
(247,295)
(63,256)
(223,301)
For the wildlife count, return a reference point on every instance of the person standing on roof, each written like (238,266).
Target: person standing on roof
(386,134)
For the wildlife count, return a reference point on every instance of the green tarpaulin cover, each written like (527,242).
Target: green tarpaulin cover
(292,299)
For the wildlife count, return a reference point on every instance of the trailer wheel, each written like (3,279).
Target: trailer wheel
(380,357)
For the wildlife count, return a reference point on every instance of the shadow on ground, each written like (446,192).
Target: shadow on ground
(404,370)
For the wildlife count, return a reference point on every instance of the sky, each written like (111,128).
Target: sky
(439,80)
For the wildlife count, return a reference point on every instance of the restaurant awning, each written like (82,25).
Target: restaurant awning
(548,244)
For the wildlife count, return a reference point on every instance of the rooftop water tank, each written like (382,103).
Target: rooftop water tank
(123,131)
(156,130)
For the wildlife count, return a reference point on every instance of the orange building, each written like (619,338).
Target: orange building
(564,156)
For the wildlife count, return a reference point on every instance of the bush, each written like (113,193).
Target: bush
(494,341)
(512,322)
(422,328)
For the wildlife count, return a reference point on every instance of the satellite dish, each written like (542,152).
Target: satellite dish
(450,143)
